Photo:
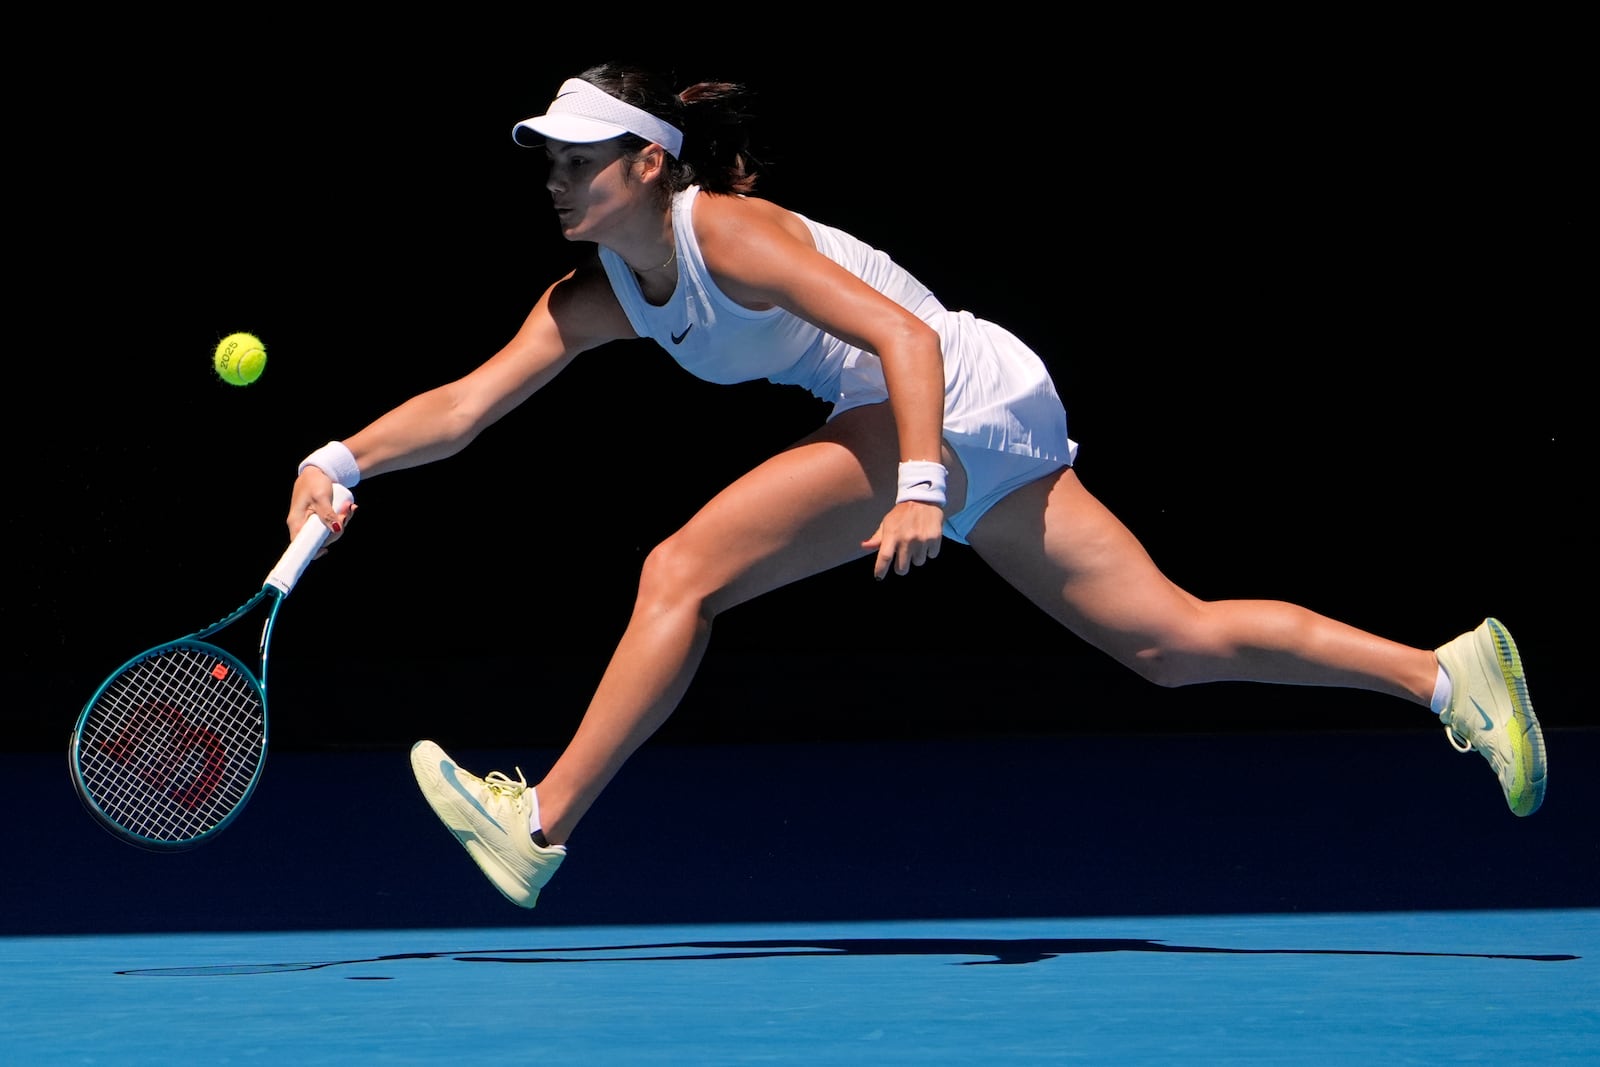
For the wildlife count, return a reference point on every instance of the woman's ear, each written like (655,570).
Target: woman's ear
(652,162)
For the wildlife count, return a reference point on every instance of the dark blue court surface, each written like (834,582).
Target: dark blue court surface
(1296,898)
(968,829)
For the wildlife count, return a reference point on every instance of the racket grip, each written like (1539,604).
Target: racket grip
(307,543)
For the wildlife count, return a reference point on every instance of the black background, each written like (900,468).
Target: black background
(1303,287)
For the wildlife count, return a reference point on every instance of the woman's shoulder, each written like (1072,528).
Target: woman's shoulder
(588,273)
(585,295)
(728,216)
(733,204)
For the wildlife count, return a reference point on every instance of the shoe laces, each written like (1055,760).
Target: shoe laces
(1463,738)
(502,786)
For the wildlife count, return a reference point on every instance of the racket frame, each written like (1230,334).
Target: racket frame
(275,589)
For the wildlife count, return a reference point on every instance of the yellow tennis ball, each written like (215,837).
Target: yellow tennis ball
(240,358)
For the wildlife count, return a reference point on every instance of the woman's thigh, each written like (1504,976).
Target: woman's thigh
(1067,553)
(801,512)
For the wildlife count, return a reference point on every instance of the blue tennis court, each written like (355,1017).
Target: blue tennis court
(1168,920)
(1425,987)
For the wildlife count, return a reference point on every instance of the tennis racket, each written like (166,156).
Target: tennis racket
(171,745)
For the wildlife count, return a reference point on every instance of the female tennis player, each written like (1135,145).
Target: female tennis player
(942,425)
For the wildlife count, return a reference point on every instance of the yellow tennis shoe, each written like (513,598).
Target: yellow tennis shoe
(489,816)
(1490,711)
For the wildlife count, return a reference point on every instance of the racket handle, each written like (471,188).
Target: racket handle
(307,543)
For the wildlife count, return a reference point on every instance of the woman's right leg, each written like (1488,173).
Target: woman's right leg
(804,511)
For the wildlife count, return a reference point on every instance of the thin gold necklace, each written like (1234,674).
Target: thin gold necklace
(670,260)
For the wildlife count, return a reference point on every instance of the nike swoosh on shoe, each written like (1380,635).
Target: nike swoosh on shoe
(448,772)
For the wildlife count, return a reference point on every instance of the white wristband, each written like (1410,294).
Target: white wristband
(923,481)
(336,461)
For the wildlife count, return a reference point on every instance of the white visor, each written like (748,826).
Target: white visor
(583,113)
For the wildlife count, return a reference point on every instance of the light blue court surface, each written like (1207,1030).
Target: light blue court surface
(1340,898)
(1389,988)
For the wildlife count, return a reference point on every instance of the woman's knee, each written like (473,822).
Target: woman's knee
(675,575)
(1200,648)
(1178,653)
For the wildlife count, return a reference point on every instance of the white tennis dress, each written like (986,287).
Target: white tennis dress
(999,400)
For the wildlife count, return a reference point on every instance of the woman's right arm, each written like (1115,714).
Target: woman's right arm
(577,313)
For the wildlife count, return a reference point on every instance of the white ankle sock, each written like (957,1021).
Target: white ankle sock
(1440,701)
(534,823)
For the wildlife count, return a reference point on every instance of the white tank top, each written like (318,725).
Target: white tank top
(716,339)
(998,393)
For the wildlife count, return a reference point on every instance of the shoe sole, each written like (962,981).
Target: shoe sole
(1527,742)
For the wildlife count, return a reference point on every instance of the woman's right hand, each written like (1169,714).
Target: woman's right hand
(313,496)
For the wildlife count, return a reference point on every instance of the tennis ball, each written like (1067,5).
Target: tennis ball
(240,358)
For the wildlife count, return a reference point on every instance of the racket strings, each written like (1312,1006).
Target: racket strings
(172,745)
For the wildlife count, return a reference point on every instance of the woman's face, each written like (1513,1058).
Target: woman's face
(591,188)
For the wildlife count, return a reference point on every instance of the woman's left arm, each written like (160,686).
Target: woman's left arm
(763,256)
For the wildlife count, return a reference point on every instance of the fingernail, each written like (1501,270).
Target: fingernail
(335,526)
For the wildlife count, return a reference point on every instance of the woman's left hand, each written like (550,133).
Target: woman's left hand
(908,536)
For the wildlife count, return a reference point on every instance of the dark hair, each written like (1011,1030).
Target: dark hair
(714,119)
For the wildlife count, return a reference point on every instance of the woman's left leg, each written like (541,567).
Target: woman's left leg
(1067,553)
